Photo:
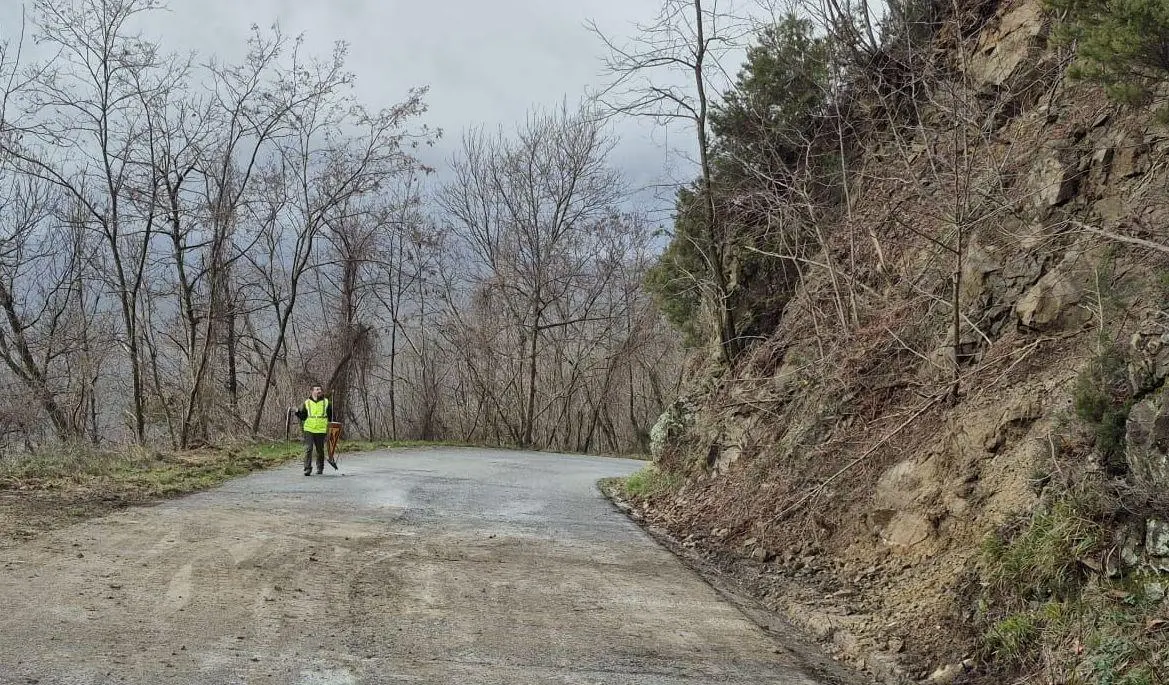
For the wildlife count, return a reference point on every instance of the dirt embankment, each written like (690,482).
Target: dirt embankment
(949,512)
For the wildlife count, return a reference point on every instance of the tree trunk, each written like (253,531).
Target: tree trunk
(728,336)
(530,412)
(270,367)
(394,379)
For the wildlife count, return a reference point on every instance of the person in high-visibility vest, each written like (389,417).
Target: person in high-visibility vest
(316,412)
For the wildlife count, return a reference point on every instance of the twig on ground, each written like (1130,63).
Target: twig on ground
(814,492)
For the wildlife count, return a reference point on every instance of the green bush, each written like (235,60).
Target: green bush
(1102,401)
(677,280)
(1123,44)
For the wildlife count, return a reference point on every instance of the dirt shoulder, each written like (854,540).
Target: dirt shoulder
(744,584)
(47,491)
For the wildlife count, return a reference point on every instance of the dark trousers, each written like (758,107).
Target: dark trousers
(314,440)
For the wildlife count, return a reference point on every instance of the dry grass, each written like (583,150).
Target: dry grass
(45,490)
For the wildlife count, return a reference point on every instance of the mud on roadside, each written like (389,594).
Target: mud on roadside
(26,514)
(834,658)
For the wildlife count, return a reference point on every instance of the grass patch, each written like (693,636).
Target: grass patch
(1042,559)
(650,482)
(1047,607)
(1011,640)
(1101,637)
(136,473)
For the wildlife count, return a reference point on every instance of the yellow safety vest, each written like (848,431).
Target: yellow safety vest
(318,416)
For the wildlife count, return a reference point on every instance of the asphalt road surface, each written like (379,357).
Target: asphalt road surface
(443,566)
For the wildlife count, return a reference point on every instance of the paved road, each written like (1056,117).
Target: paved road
(436,566)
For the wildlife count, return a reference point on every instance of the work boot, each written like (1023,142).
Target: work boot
(308,472)
(320,472)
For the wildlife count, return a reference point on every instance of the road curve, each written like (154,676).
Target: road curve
(443,566)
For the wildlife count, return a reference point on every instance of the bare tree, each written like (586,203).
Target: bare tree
(337,153)
(91,146)
(171,225)
(38,276)
(409,248)
(529,210)
(210,150)
(687,40)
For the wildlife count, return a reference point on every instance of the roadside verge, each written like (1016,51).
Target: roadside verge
(788,632)
(68,484)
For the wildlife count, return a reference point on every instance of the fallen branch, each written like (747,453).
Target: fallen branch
(815,492)
(1121,238)
(802,260)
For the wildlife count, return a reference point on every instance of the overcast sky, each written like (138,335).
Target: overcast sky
(486,62)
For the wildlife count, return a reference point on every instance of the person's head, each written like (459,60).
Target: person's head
(317,392)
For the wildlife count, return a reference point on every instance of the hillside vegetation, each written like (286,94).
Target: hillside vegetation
(924,287)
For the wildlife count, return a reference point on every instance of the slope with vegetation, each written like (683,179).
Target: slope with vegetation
(938,436)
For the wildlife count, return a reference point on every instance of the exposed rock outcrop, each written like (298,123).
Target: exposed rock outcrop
(1147,442)
(1007,50)
(1057,301)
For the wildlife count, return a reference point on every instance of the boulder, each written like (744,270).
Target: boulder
(945,675)
(762,554)
(977,265)
(727,456)
(1157,538)
(1006,52)
(1131,157)
(1128,541)
(993,280)
(1113,210)
(901,529)
(902,484)
(1053,303)
(1148,355)
(1015,419)
(1147,442)
(669,427)
(1052,182)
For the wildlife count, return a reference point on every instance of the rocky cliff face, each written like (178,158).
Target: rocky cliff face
(839,471)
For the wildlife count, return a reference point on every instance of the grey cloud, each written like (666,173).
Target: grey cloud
(486,62)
